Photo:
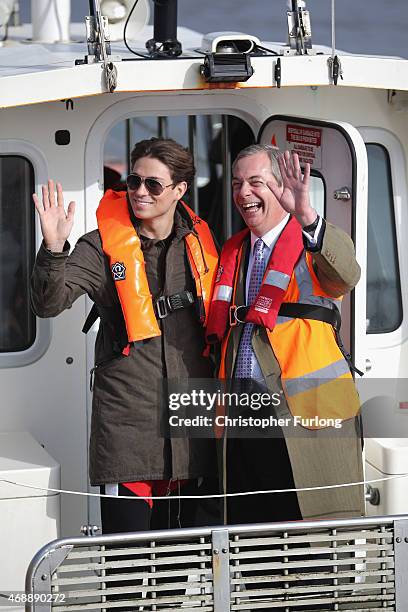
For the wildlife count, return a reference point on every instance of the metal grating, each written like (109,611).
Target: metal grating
(333,569)
(343,565)
(153,576)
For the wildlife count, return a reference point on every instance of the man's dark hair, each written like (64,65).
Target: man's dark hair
(178,159)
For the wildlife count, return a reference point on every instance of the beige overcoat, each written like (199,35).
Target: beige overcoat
(325,456)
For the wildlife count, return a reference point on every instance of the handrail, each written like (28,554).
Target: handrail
(307,563)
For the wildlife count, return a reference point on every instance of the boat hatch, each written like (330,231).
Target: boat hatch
(338,159)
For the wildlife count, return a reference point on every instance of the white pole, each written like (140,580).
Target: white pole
(333,26)
(6,8)
(50,19)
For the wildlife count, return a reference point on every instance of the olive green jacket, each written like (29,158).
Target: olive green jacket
(129,438)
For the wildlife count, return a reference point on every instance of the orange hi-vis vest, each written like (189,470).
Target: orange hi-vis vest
(121,244)
(315,376)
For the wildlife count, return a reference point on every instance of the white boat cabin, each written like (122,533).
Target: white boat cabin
(346,114)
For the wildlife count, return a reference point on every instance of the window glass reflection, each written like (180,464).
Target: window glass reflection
(384,307)
(17,247)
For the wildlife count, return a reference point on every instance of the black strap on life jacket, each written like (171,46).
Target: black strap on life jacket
(166,304)
(105,313)
(163,306)
(93,316)
(304,311)
(294,311)
(309,311)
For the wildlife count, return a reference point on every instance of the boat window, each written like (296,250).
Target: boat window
(215,140)
(317,193)
(17,248)
(384,305)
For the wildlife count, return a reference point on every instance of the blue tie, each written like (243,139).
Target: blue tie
(247,365)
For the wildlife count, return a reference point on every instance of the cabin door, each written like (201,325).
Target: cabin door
(338,159)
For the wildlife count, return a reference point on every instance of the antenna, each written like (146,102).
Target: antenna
(334,62)
(333,26)
(98,42)
(164,42)
(97,34)
(299,28)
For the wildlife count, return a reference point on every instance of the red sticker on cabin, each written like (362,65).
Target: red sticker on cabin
(306,142)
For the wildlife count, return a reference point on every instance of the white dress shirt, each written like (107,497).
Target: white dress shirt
(270,239)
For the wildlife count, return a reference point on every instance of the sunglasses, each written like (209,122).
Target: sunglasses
(153,186)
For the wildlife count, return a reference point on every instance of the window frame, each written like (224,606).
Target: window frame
(316,174)
(206,104)
(42,339)
(234,105)
(399,184)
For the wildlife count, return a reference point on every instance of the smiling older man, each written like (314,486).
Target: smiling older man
(275,309)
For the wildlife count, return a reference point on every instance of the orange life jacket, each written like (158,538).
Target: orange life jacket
(315,376)
(121,244)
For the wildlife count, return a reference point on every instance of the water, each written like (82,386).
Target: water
(362,26)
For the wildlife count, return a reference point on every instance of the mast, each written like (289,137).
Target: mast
(164,42)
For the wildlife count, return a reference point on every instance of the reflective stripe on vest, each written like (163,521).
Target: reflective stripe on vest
(316,378)
(223,293)
(277,279)
(121,244)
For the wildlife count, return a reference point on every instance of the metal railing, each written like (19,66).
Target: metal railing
(354,564)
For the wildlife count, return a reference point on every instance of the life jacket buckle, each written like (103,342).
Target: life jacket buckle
(232,321)
(166,304)
(233,316)
(162,307)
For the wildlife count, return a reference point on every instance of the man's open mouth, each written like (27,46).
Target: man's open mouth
(249,207)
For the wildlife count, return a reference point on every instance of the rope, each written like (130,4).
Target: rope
(208,496)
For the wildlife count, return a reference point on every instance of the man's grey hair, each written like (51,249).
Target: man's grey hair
(271,151)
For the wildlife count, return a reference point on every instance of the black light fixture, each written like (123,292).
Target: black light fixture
(227,67)
(227,57)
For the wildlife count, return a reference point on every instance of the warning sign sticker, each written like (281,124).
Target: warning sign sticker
(306,142)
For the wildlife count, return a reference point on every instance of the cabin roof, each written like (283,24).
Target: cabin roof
(25,69)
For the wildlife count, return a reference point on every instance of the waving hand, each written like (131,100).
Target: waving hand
(294,198)
(56,224)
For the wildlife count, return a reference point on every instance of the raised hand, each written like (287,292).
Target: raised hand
(294,197)
(56,224)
